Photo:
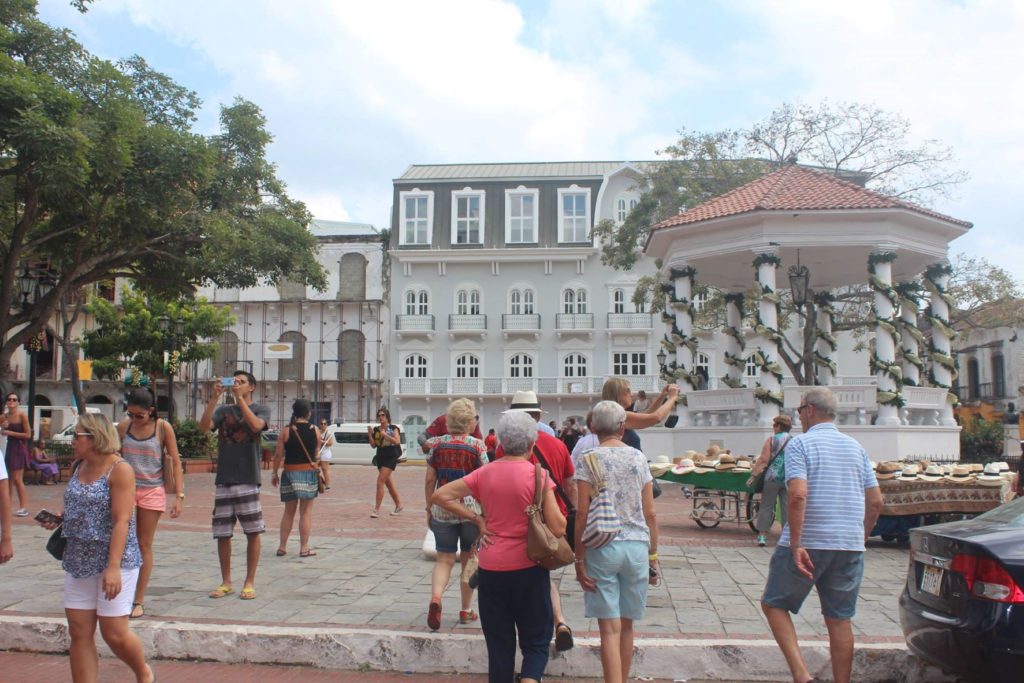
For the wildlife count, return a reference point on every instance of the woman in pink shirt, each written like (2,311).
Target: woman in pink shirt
(515,593)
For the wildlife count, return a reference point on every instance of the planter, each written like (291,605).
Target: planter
(193,466)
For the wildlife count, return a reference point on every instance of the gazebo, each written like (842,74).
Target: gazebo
(830,233)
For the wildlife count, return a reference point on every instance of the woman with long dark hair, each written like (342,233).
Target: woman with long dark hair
(15,427)
(298,448)
(145,439)
(387,439)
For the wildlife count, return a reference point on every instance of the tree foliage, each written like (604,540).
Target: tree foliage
(855,141)
(129,336)
(102,177)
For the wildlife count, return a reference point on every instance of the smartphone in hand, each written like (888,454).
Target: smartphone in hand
(47,517)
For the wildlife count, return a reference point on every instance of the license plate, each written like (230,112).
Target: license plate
(931,580)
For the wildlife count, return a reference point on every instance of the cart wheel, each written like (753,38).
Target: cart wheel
(707,514)
(888,538)
(753,507)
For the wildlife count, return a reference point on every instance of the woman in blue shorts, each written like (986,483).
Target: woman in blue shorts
(615,576)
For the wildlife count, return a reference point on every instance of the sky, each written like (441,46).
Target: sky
(355,92)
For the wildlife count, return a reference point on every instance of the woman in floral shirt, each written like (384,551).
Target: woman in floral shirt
(102,557)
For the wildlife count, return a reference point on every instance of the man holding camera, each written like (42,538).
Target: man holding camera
(239,427)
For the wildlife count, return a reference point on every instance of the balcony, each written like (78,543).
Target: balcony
(507,386)
(520,323)
(414,325)
(467,325)
(631,322)
(574,323)
(983,391)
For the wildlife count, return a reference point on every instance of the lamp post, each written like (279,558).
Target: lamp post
(662,357)
(800,290)
(316,387)
(35,284)
(172,336)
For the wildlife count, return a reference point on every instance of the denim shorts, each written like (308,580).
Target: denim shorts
(837,576)
(621,571)
(448,537)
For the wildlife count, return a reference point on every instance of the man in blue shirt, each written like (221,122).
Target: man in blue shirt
(834,502)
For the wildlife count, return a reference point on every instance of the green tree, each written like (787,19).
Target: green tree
(102,177)
(129,336)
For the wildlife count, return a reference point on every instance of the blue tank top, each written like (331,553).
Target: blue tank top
(88,526)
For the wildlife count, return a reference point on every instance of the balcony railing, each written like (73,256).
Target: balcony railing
(467,322)
(408,323)
(983,391)
(520,321)
(574,321)
(630,321)
(506,386)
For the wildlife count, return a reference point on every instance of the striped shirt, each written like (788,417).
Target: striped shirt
(146,458)
(837,471)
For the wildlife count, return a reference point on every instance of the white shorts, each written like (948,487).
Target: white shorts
(88,594)
(325,455)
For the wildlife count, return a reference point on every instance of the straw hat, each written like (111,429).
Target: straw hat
(743,464)
(887,470)
(931,473)
(725,463)
(704,466)
(685,466)
(990,476)
(693,455)
(660,466)
(960,474)
(713,451)
(977,467)
(909,473)
(1003,467)
(525,402)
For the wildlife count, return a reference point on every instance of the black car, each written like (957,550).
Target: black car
(963,606)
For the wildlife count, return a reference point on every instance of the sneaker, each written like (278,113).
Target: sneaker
(761,540)
(434,615)
(375,513)
(398,509)
(21,512)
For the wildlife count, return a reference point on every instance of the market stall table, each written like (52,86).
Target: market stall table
(719,496)
(906,504)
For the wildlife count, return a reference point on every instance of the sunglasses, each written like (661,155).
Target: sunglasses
(136,416)
(84,435)
(12,399)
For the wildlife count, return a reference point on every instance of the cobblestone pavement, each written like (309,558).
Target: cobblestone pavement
(372,572)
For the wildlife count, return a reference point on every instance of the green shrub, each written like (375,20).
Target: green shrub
(981,440)
(193,443)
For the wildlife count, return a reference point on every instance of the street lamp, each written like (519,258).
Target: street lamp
(35,284)
(662,357)
(172,335)
(800,291)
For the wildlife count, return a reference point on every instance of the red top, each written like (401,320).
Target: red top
(439,427)
(556,455)
(491,441)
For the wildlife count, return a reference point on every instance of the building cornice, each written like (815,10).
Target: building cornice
(524,255)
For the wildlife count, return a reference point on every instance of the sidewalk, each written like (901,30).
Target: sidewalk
(361,602)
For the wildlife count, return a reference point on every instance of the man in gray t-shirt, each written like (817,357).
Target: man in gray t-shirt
(239,427)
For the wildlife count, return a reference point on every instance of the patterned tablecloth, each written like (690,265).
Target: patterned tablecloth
(929,498)
(719,481)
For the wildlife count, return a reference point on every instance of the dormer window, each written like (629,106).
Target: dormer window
(416,219)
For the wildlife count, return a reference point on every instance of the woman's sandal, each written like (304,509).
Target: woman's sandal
(467,616)
(563,638)
(141,610)
(221,591)
(248,593)
(308,553)
(281,553)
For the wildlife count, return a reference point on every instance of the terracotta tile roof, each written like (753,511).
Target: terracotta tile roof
(795,188)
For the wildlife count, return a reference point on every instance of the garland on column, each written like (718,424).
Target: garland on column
(911,292)
(889,324)
(823,301)
(735,298)
(761,393)
(943,326)
(676,371)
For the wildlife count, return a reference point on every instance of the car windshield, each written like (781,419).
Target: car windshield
(1011,514)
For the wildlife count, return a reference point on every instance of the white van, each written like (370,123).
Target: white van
(351,445)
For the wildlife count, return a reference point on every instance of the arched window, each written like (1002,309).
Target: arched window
(700,300)
(751,369)
(527,302)
(998,376)
(633,203)
(467,302)
(352,277)
(973,379)
(289,290)
(410,302)
(574,301)
(467,366)
(351,348)
(515,301)
(621,210)
(618,301)
(412,427)
(293,368)
(226,360)
(417,302)
(520,365)
(702,366)
(575,365)
(416,366)
(424,303)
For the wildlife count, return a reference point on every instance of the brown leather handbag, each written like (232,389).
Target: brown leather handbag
(542,546)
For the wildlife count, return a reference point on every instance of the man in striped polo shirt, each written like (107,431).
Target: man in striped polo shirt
(834,502)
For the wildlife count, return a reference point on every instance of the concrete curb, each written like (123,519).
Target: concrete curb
(355,649)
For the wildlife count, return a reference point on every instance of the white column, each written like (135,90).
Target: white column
(682,277)
(734,339)
(885,343)
(768,311)
(941,356)
(824,346)
(911,349)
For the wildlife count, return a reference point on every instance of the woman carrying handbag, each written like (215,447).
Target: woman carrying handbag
(300,480)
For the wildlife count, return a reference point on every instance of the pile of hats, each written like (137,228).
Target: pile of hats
(992,474)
